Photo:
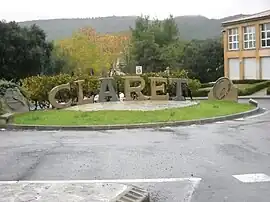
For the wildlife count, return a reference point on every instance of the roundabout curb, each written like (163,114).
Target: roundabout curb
(265,97)
(257,110)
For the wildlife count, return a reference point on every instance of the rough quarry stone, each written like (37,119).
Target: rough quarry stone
(13,101)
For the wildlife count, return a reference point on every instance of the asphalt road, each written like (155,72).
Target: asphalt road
(171,157)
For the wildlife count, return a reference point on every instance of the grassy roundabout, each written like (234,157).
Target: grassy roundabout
(205,109)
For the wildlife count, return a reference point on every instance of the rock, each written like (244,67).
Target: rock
(14,101)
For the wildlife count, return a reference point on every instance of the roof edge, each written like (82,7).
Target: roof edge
(252,17)
(229,23)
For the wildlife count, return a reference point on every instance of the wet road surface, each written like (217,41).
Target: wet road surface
(166,161)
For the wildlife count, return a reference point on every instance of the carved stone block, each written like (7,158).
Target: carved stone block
(107,83)
(14,101)
(223,89)
(137,89)
(179,90)
(52,94)
(155,88)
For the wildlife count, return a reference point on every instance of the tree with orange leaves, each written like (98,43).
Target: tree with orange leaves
(89,49)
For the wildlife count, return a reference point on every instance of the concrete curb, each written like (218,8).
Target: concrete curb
(240,97)
(135,126)
(6,118)
(133,194)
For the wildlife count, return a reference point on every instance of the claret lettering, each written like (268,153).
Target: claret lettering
(107,90)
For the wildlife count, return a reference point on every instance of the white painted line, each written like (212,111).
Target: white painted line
(252,178)
(195,184)
(158,180)
(239,119)
(220,122)
(120,191)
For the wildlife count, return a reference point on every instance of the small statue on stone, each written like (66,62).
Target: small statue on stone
(91,72)
(186,91)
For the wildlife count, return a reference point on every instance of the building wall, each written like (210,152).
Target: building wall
(241,54)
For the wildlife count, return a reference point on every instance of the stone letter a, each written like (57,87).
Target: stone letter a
(103,93)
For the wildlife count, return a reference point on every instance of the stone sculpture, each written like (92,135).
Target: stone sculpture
(137,89)
(14,101)
(223,89)
(107,89)
(107,83)
(155,88)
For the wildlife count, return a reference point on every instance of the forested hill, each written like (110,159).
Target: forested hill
(190,27)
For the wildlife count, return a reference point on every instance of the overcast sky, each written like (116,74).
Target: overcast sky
(21,10)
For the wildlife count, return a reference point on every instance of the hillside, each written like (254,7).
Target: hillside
(190,27)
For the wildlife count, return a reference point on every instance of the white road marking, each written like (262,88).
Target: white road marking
(239,119)
(195,184)
(220,122)
(252,178)
(157,180)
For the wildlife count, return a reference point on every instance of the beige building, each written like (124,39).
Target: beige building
(247,47)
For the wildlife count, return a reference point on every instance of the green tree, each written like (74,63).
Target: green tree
(204,59)
(60,62)
(155,44)
(24,51)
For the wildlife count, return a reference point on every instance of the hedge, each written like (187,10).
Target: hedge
(247,81)
(38,87)
(207,85)
(241,92)
(268,91)
(254,88)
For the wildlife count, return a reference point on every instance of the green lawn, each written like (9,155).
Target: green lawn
(243,86)
(205,109)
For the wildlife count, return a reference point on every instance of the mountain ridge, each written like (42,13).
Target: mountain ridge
(190,27)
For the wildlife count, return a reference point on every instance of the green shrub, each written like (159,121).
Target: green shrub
(247,81)
(38,87)
(1,109)
(268,91)
(194,84)
(255,87)
(200,93)
(207,85)
(4,85)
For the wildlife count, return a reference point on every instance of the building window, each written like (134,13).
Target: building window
(265,35)
(249,37)
(233,39)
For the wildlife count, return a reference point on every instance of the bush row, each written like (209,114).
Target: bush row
(268,91)
(255,87)
(249,81)
(207,85)
(38,87)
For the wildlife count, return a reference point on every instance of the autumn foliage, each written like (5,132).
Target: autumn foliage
(89,49)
